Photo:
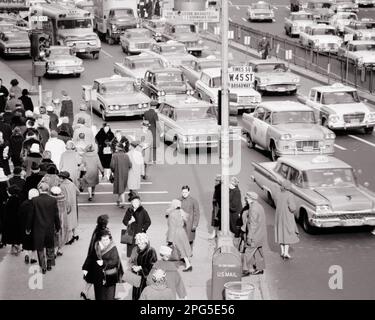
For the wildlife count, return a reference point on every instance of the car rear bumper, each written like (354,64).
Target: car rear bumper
(325,151)
(17,52)
(199,144)
(348,126)
(86,49)
(278,87)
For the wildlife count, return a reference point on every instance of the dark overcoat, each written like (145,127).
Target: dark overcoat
(25,212)
(12,233)
(120,166)
(235,208)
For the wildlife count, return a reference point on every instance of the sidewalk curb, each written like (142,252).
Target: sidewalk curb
(298,70)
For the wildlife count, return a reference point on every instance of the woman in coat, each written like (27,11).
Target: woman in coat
(120,166)
(141,262)
(4,155)
(137,169)
(158,289)
(286,231)
(51,177)
(216,208)
(103,138)
(70,161)
(176,234)
(64,130)
(62,236)
(136,218)
(15,89)
(15,144)
(103,266)
(146,140)
(92,165)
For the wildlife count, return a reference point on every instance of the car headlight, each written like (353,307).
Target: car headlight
(329,136)
(334,118)
(51,63)
(286,136)
(145,105)
(323,209)
(316,42)
(111,108)
(114,27)
(117,107)
(161,93)
(371,116)
(140,106)
(200,42)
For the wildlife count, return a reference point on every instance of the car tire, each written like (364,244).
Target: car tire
(325,123)
(273,154)
(368,130)
(250,142)
(304,220)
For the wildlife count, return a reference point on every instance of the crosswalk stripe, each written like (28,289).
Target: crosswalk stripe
(92,204)
(140,192)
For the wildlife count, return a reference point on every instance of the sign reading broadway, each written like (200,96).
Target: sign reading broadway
(192,16)
(240,77)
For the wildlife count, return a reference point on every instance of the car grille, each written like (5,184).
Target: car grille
(15,50)
(347,216)
(354,117)
(144,45)
(303,145)
(246,100)
(262,14)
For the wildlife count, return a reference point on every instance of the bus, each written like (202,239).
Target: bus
(69,26)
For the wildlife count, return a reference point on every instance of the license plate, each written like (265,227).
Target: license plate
(81,50)
(307,149)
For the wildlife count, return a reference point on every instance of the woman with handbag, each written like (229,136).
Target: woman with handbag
(103,266)
(103,139)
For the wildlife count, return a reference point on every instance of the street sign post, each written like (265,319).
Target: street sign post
(192,16)
(240,77)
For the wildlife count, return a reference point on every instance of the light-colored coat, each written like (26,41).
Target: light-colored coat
(84,115)
(71,192)
(254,224)
(191,208)
(57,148)
(92,164)
(70,162)
(137,170)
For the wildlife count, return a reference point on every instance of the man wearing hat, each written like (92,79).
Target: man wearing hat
(254,235)
(32,181)
(67,107)
(84,115)
(26,100)
(235,208)
(152,117)
(17,180)
(53,118)
(34,156)
(264,47)
(30,139)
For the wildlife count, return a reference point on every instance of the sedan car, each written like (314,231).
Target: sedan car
(297,22)
(342,19)
(272,75)
(172,53)
(260,11)
(61,60)
(159,83)
(287,128)
(14,42)
(135,41)
(361,30)
(156,26)
(360,52)
(346,6)
(117,97)
(323,188)
(321,38)
(321,10)
(189,123)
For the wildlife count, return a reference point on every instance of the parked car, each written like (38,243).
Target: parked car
(14,42)
(158,83)
(260,11)
(189,123)
(186,33)
(272,75)
(137,40)
(361,30)
(324,189)
(61,60)
(286,128)
(136,66)
(156,26)
(297,22)
(173,53)
(360,52)
(342,19)
(209,84)
(117,97)
(346,6)
(339,108)
(321,38)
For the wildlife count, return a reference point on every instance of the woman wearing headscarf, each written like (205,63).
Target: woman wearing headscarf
(103,138)
(141,262)
(137,219)
(158,289)
(70,161)
(92,165)
(51,178)
(25,213)
(286,231)
(103,266)
(176,234)
(63,206)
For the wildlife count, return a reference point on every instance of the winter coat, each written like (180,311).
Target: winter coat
(91,162)
(6,129)
(12,232)
(70,162)
(83,115)
(146,141)
(89,137)
(44,135)
(152,117)
(15,143)
(26,145)
(4,93)
(216,207)
(16,90)
(157,292)
(61,237)
(32,182)
(286,231)
(136,171)
(27,103)
(235,209)
(32,157)
(254,225)
(103,140)
(71,193)
(120,166)
(191,208)
(4,158)
(53,120)
(57,148)
(20,183)
(65,132)
(67,109)
(25,211)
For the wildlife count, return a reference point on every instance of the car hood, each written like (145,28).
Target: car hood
(177,59)
(367,34)
(366,56)
(345,198)
(260,11)
(304,23)
(123,21)
(244,92)
(303,131)
(277,76)
(79,34)
(341,109)
(17,44)
(199,126)
(121,99)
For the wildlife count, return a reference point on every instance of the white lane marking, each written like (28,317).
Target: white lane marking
(276,8)
(140,192)
(244,19)
(237,7)
(340,147)
(107,54)
(124,203)
(362,140)
(105,183)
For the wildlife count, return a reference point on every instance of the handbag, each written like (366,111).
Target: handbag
(111,178)
(110,276)
(127,236)
(132,278)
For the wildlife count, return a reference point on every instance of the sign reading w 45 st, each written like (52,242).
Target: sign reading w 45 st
(240,77)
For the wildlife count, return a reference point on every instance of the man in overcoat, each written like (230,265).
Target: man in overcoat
(43,224)
(152,117)
(191,207)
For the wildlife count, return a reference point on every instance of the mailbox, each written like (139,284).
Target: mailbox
(226,267)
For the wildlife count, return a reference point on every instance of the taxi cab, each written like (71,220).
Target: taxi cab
(297,22)
(137,40)
(360,52)
(117,97)
(61,60)
(321,38)
(189,123)
(14,41)
(260,11)
(363,29)
(324,189)
(287,128)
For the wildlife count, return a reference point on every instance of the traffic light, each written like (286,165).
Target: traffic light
(40,42)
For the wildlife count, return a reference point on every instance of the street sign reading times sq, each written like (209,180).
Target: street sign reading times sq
(240,77)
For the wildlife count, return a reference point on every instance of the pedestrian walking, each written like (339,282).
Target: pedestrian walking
(146,145)
(4,155)
(53,118)
(26,101)
(119,139)
(18,180)
(101,224)
(12,102)
(32,181)
(82,114)
(254,235)
(191,207)
(65,130)
(15,147)
(5,128)
(82,128)
(157,11)
(92,165)
(264,48)
(67,107)
(103,138)
(216,208)
(141,262)
(136,220)
(152,117)
(81,144)
(70,161)
(173,277)
(34,156)
(43,224)
(56,147)
(120,166)
(30,139)
(25,213)
(176,234)
(158,289)
(235,209)
(43,114)
(137,169)
(4,93)
(286,231)
(46,162)
(51,177)
(15,89)
(103,266)
(43,132)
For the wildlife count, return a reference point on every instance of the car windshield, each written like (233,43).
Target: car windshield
(340,97)
(154,63)
(173,49)
(74,24)
(60,52)
(270,67)
(343,1)
(123,12)
(364,47)
(264,6)
(201,113)
(169,77)
(301,17)
(139,33)
(208,64)
(323,32)
(293,117)
(184,28)
(215,82)
(117,87)
(337,177)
